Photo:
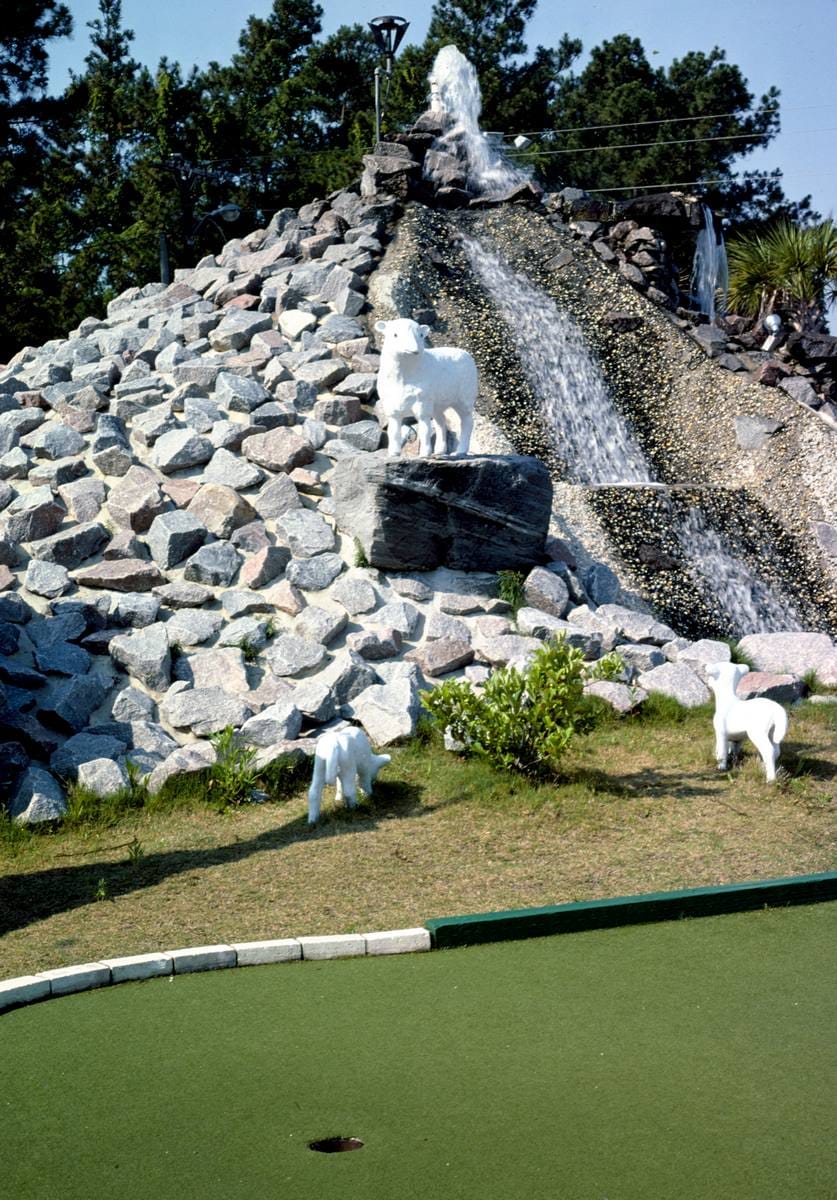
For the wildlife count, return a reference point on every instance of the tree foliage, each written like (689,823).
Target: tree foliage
(790,269)
(89,179)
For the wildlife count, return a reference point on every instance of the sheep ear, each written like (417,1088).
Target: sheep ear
(712,670)
(425,329)
(741,670)
(380,326)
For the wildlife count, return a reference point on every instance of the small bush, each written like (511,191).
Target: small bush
(233,776)
(510,589)
(249,651)
(360,555)
(523,720)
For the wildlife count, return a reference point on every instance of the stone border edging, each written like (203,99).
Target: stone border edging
(63,981)
(479,928)
(436,934)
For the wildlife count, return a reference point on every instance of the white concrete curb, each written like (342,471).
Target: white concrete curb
(63,981)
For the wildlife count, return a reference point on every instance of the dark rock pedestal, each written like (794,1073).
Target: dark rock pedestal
(483,513)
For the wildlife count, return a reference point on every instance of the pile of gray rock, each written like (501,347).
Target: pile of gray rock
(173,560)
(416,165)
(650,241)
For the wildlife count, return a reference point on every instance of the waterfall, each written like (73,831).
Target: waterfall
(455,90)
(749,604)
(597,444)
(710,274)
(589,434)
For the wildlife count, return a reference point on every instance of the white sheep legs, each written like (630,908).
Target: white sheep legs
(768,751)
(763,721)
(345,759)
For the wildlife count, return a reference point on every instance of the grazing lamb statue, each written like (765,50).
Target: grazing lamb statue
(340,757)
(417,381)
(763,721)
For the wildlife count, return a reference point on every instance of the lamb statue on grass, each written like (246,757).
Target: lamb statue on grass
(763,721)
(417,381)
(341,757)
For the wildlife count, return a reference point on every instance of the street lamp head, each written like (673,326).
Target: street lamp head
(773,323)
(388,32)
(227,212)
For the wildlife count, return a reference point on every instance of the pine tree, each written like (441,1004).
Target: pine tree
(29,245)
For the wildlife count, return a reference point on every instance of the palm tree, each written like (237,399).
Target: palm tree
(791,269)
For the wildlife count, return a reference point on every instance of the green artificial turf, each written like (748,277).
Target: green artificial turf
(690,1060)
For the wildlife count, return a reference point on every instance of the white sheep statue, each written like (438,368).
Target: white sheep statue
(342,757)
(427,384)
(763,721)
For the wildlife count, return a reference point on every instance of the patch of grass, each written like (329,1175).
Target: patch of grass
(739,656)
(814,686)
(360,559)
(85,807)
(664,710)
(638,806)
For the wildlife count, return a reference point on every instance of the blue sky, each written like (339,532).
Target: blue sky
(793,46)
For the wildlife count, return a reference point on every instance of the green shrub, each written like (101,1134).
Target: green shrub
(233,776)
(510,589)
(523,720)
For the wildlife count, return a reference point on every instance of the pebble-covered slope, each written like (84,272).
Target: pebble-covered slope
(685,406)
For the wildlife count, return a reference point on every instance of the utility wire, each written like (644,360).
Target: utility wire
(732,137)
(641,187)
(670,120)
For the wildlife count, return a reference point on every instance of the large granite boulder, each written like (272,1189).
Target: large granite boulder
(793,654)
(482,513)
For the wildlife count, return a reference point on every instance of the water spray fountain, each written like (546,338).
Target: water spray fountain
(456,100)
(710,273)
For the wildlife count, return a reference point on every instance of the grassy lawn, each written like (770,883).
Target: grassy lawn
(639,808)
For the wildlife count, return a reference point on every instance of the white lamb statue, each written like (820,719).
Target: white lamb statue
(427,384)
(763,721)
(341,757)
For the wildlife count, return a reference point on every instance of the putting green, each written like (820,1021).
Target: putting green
(690,1060)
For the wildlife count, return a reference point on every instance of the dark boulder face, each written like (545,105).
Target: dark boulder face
(658,209)
(484,513)
(812,347)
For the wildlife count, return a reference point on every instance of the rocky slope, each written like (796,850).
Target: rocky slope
(169,558)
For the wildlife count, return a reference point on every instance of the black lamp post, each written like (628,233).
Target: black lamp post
(226,212)
(387,32)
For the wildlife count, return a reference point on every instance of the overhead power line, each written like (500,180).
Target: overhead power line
(731,137)
(671,120)
(641,187)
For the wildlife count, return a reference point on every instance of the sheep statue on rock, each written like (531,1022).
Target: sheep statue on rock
(344,758)
(763,721)
(427,384)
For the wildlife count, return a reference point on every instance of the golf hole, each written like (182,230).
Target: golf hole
(336,1145)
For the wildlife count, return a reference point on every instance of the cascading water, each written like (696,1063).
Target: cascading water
(590,436)
(597,445)
(750,605)
(710,273)
(455,92)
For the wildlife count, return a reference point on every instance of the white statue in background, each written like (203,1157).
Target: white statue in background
(417,381)
(343,758)
(763,721)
